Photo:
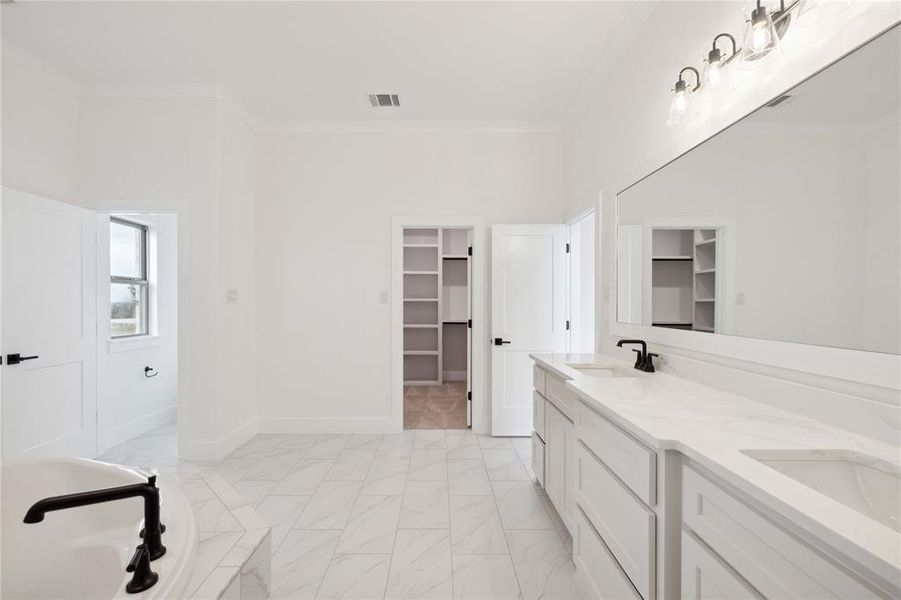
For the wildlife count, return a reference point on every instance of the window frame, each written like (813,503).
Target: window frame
(142,282)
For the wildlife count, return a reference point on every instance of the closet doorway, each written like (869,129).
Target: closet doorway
(437,327)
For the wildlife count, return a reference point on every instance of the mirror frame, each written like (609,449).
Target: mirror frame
(859,366)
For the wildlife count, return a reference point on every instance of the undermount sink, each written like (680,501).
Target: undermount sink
(596,370)
(866,484)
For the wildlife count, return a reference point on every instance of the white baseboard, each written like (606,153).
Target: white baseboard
(238,437)
(325,425)
(218,449)
(134,428)
(455,376)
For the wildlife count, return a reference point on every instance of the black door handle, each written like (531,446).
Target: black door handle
(500,341)
(14,359)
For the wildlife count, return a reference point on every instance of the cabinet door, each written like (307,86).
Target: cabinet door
(706,577)
(555,457)
(571,473)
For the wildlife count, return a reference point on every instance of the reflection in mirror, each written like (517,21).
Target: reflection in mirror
(785,226)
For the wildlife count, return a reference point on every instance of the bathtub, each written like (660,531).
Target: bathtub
(82,552)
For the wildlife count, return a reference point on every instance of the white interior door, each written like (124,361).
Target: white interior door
(469,330)
(48,312)
(528,314)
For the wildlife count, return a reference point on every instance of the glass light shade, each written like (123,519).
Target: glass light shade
(682,109)
(716,80)
(761,38)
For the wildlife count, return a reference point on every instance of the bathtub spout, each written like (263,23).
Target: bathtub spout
(153,535)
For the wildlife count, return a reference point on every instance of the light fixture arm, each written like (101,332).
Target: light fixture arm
(697,77)
(731,39)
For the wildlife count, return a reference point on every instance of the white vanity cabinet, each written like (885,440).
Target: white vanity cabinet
(553,441)
(705,576)
(559,430)
(764,558)
(650,521)
(616,492)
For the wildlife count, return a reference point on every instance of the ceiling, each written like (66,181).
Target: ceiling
(318,61)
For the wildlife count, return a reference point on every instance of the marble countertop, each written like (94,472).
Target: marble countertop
(712,427)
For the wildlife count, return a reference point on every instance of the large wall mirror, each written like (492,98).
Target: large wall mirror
(784,226)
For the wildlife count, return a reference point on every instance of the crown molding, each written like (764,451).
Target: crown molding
(153,91)
(221,92)
(410,127)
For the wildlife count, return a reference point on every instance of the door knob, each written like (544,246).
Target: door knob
(500,341)
(14,359)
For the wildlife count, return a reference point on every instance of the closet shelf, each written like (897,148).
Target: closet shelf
(672,324)
(420,299)
(705,299)
(705,242)
(704,271)
(679,257)
(420,272)
(420,326)
(454,321)
(420,353)
(455,256)
(420,245)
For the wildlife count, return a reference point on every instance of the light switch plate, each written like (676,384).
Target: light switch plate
(231,296)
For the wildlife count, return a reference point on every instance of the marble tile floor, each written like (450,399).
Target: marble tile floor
(437,514)
(435,406)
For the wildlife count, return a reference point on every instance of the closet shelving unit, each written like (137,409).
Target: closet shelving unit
(436,273)
(683,279)
(704,292)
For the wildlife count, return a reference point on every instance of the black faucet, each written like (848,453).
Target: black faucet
(144,578)
(153,531)
(644,361)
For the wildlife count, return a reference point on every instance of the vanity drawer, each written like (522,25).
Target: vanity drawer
(538,379)
(601,575)
(562,397)
(773,561)
(626,525)
(706,577)
(631,461)
(538,458)
(538,413)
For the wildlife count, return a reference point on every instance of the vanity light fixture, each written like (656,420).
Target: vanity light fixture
(761,37)
(764,31)
(715,79)
(682,108)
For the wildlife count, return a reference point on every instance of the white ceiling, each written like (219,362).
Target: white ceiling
(317,61)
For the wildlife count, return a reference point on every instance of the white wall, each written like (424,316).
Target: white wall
(189,154)
(619,135)
(185,150)
(40,127)
(235,318)
(325,204)
(128,402)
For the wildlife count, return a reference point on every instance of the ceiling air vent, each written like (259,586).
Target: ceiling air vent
(384,100)
(778,101)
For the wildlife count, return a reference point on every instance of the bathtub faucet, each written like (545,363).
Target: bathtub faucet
(153,531)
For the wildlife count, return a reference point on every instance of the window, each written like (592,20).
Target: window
(128,279)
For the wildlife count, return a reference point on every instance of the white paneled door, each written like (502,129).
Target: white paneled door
(528,314)
(48,313)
